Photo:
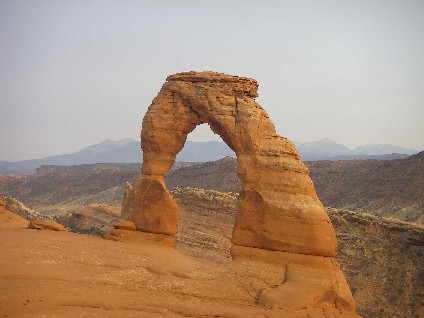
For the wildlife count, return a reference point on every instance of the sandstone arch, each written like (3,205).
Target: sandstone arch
(278,208)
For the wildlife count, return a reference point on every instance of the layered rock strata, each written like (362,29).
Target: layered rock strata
(46,225)
(278,208)
(279,216)
(127,202)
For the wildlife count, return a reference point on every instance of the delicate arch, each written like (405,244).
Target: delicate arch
(278,207)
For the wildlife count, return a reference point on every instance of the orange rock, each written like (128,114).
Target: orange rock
(11,220)
(151,196)
(310,281)
(132,236)
(125,225)
(279,217)
(278,209)
(46,225)
(127,202)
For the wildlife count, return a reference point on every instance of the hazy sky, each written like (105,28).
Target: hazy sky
(73,73)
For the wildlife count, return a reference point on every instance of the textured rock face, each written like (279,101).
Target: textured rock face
(309,281)
(46,225)
(129,235)
(127,202)
(279,217)
(125,225)
(94,218)
(17,207)
(278,208)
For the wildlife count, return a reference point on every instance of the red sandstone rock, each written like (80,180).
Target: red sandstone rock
(278,209)
(279,218)
(151,195)
(127,202)
(11,220)
(310,281)
(132,236)
(125,225)
(46,225)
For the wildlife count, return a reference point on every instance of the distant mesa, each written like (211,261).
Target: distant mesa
(279,219)
(327,149)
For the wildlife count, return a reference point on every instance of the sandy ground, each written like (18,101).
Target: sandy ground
(62,274)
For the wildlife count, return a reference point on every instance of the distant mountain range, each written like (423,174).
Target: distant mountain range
(125,150)
(327,149)
(128,151)
(122,151)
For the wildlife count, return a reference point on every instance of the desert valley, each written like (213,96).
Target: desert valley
(139,178)
(105,239)
(381,255)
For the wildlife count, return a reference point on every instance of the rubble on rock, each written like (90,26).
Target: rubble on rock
(17,207)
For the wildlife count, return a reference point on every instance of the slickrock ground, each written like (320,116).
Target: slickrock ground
(11,220)
(62,274)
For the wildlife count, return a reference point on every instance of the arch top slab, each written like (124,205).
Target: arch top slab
(243,85)
(278,207)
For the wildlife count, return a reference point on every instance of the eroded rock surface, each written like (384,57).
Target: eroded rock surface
(46,225)
(127,202)
(113,279)
(17,207)
(278,209)
(94,218)
(279,217)
(125,225)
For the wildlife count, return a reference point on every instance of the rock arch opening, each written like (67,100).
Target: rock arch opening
(206,195)
(203,145)
(203,132)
